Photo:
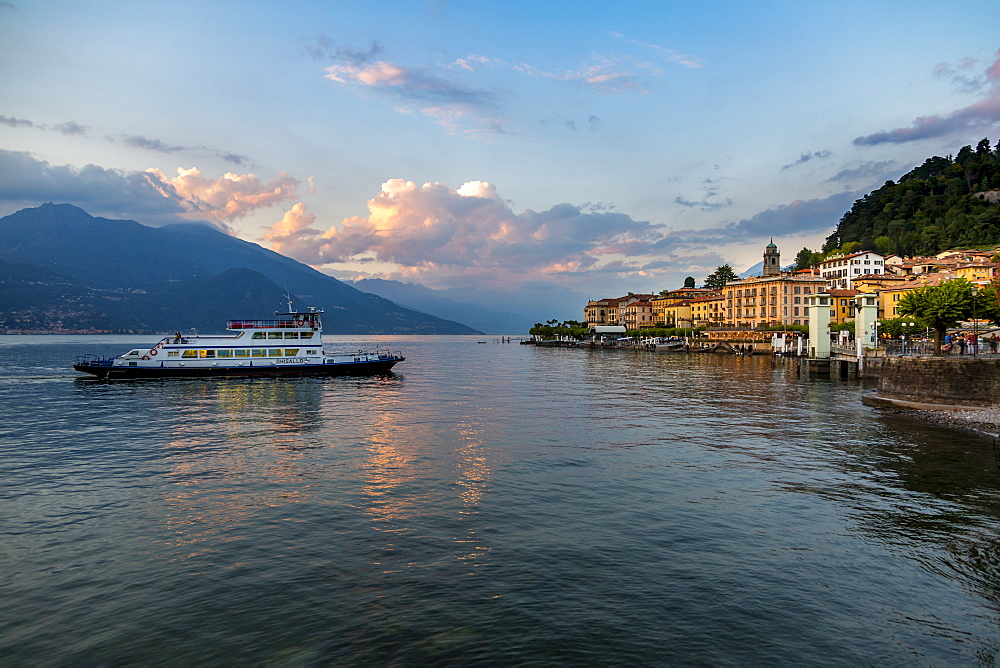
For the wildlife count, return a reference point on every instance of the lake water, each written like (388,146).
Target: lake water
(487,504)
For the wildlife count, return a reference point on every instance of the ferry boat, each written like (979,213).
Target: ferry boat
(291,344)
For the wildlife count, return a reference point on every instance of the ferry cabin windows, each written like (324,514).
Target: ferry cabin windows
(282,335)
(240,353)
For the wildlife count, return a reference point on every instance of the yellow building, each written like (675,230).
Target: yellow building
(689,293)
(612,311)
(597,313)
(708,311)
(668,297)
(771,300)
(889,296)
(976,271)
(678,314)
(637,314)
(841,305)
(659,305)
(874,283)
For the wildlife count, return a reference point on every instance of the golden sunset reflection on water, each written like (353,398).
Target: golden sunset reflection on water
(219,423)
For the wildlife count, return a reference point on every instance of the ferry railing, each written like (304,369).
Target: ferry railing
(94,360)
(268,324)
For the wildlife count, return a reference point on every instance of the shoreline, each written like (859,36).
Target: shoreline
(984,421)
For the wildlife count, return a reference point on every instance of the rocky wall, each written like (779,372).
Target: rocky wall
(940,380)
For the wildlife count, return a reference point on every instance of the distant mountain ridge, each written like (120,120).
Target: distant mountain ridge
(758,270)
(422,298)
(122,275)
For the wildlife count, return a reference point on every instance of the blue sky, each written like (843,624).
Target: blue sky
(544,151)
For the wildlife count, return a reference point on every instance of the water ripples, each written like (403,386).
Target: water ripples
(490,503)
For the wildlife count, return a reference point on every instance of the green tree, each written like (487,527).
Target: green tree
(842,326)
(689,282)
(806,258)
(884,245)
(988,302)
(719,278)
(895,327)
(931,208)
(940,306)
(554,328)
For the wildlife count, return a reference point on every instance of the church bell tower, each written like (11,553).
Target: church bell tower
(772,260)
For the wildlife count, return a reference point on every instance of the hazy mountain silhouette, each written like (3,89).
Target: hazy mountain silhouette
(422,298)
(130,276)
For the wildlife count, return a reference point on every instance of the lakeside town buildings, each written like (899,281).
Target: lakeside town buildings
(840,272)
(780,297)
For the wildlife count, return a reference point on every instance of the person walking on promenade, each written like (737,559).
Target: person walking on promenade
(993,345)
(961,344)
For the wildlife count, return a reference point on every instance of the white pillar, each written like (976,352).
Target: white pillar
(819,325)
(865,318)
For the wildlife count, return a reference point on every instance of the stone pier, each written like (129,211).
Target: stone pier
(937,383)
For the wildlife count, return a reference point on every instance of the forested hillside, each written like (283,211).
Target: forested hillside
(949,202)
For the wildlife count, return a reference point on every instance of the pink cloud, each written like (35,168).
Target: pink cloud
(446,101)
(293,226)
(224,199)
(450,234)
(984,113)
(993,71)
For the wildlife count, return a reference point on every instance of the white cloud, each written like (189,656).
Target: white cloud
(150,196)
(449,234)
(447,237)
(228,198)
(982,114)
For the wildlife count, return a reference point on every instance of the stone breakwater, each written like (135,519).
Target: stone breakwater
(939,382)
(962,393)
(986,421)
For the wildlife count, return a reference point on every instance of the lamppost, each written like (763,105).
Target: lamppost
(875,333)
(908,328)
(975,321)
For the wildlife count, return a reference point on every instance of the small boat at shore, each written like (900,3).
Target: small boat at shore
(291,344)
(673,344)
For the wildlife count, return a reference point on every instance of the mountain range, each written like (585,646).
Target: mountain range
(62,269)
(444,305)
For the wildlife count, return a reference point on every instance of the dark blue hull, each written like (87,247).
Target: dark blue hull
(363,368)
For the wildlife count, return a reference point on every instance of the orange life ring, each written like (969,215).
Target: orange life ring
(145,357)
(301,323)
(153,351)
